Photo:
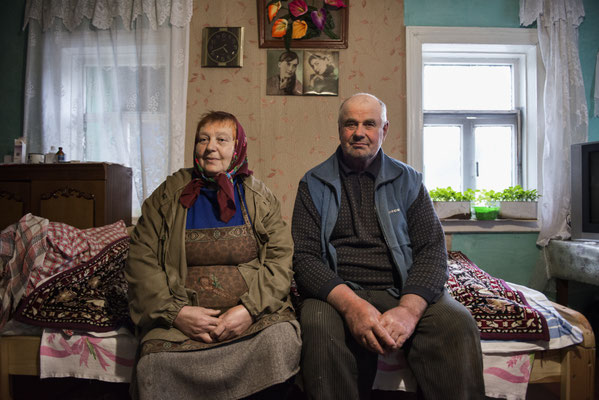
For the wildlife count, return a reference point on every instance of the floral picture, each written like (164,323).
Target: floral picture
(303,23)
(321,73)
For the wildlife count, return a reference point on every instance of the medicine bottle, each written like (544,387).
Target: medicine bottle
(60,155)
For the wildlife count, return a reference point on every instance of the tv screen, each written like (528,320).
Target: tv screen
(585,191)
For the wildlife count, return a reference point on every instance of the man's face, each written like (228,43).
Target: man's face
(361,131)
(287,68)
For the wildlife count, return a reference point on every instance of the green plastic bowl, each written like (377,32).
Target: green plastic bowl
(486,213)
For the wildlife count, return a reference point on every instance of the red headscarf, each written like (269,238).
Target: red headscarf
(224,180)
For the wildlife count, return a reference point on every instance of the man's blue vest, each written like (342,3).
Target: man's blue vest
(395,189)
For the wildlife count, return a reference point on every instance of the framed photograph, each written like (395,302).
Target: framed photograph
(284,70)
(321,73)
(340,18)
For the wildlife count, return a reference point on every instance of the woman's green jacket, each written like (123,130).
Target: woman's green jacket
(156,268)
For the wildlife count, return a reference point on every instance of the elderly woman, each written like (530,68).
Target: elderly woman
(209,274)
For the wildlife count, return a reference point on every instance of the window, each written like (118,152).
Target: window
(472,107)
(471,150)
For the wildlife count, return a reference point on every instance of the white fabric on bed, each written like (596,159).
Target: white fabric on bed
(105,356)
(16,328)
(561,332)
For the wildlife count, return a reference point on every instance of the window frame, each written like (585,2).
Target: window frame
(468,120)
(482,44)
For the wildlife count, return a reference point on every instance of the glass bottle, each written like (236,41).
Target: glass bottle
(51,155)
(60,156)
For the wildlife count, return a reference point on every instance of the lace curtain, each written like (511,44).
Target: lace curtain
(565,107)
(107,81)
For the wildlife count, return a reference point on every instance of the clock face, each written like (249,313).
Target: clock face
(222,47)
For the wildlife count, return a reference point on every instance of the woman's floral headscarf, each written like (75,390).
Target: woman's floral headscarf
(224,180)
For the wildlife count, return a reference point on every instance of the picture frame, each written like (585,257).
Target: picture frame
(284,72)
(321,73)
(340,18)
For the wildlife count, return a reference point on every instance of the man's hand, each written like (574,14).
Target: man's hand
(362,319)
(232,323)
(400,322)
(197,322)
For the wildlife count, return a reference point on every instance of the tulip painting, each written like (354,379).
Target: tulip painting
(299,29)
(279,29)
(298,7)
(319,18)
(302,19)
(273,9)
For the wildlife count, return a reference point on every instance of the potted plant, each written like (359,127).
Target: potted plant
(486,206)
(450,204)
(517,203)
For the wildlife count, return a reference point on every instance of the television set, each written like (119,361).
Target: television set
(584,208)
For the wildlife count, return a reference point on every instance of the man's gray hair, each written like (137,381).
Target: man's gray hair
(383,107)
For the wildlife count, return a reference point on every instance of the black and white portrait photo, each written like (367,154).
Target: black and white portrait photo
(321,72)
(284,72)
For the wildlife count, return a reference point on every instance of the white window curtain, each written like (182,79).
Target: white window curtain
(565,107)
(106,80)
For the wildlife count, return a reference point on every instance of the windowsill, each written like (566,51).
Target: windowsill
(496,226)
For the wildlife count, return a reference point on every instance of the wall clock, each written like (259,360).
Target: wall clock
(222,47)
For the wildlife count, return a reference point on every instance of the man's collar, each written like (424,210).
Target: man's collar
(373,169)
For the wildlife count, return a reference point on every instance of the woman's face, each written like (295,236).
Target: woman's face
(319,66)
(215,146)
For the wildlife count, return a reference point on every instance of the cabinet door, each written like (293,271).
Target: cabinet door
(14,202)
(77,203)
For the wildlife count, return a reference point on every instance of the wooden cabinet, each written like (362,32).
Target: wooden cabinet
(83,195)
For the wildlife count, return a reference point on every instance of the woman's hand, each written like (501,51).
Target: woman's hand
(197,322)
(232,323)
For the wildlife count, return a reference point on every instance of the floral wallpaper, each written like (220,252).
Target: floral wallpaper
(290,134)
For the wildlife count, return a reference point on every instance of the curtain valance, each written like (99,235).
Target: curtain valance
(102,13)
(571,11)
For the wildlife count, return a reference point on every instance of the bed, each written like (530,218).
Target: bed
(104,348)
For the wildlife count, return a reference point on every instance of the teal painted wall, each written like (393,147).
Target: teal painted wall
(12,70)
(496,13)
(492,252)
(588,46)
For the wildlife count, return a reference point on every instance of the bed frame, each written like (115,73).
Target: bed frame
(573,367)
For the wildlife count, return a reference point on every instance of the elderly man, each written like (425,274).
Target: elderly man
(371,264)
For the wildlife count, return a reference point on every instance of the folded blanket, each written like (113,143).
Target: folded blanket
(89,297)
(499,311)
